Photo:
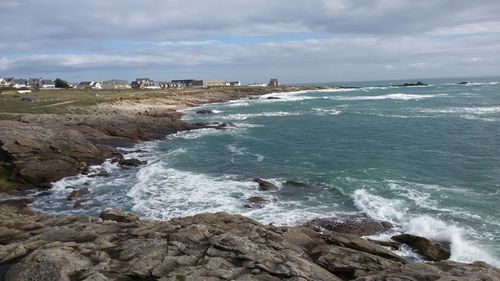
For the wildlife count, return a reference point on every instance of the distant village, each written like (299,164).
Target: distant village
(115,84)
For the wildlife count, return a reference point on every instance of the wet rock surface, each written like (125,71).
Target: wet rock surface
(355,225)
(218,246)
(430,250)
(265,185)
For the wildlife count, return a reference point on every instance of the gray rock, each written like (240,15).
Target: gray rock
(255,202)
(431,250)
(78,193)
(265,185)
(355,225)
(118,215)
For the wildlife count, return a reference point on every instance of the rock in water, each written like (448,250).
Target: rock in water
(204,111)
(265,185)
(131,162)
(255,202)
(118,215)
(78,193)
(430,250)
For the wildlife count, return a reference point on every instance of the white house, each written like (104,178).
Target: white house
(5,82)
(116,84)
(89,85)
(48,84)
(19,83)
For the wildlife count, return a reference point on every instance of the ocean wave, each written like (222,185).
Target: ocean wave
(245,116)
(479,110)
(482,113)
(482,83)
(195,134)
(324,111)
(399,96)
(396,211)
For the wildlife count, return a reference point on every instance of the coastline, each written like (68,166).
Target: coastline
(103,128)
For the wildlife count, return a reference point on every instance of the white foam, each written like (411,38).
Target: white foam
(243,116)
(323,111)
(461,249)
(399,96)
(479,110)
(482,113)
(395,211)
(199,133)
(235,150)
(380,208)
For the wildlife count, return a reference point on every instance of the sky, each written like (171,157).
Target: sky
(250,40)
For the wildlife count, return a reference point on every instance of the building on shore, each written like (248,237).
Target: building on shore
(233,84)
(145,84)
(5,81)
(210,83)
(116,84)
(185,83)
(89,85)
(48,84)
(19,84)
(274,82)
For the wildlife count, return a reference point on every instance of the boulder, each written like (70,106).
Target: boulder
(255,202)
(118,215)
(431,250)
(265,185)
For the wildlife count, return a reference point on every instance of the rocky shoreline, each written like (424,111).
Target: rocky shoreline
(119,246)
(38,149)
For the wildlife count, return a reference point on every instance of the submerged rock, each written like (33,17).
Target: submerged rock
(431,250)
(127,163)
(265,185)
(78,193)
(463,83)
(273,98)
(419,83)
(255,202)
(204,111)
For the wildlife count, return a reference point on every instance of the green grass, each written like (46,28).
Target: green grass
(6,185)
(58,101)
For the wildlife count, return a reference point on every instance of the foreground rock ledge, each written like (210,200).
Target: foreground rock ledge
(220,246)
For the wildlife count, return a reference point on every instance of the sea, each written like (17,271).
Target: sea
(425,158)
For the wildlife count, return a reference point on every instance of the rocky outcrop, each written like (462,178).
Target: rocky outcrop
(203,247)
(417,84)
(355,225)
(430,250)
(265,185)
(46,148)
(118,215)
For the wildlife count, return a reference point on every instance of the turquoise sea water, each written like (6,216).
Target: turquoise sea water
(424,158)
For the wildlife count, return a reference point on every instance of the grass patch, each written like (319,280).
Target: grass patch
(6,184)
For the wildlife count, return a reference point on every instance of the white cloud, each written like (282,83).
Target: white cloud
(360,37)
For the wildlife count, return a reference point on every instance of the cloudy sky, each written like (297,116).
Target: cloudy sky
(250,40)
